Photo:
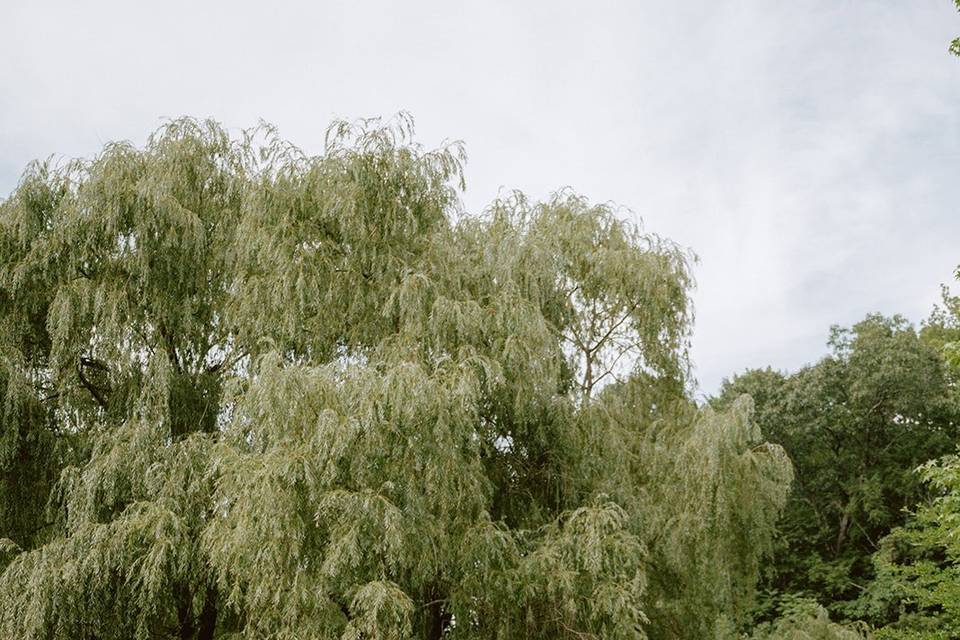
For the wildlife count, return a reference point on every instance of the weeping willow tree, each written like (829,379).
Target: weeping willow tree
(251,393)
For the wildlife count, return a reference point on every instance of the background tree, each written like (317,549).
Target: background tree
(268,395)
(918,564)
(856,424)
(804,619)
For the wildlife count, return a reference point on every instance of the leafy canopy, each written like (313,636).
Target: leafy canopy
(253,393)
(855,425)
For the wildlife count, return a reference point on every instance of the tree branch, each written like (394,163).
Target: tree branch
(89,386)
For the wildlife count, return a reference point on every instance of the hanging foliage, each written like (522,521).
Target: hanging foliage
(252,393)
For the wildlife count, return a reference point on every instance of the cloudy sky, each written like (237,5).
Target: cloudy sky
(808,151)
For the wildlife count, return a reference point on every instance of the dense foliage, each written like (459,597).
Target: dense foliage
(251,393)
(804,619)
(918,564)
(856,425)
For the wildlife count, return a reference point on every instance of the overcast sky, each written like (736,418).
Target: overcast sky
(807,151)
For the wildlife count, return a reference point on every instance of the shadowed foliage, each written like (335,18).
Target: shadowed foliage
(855,425)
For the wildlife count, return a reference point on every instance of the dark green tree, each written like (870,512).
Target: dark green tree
(918,564)
(252,393)
(917,588)
(855,425)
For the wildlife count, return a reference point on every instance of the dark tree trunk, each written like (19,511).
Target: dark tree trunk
(208,617)
(439,620)
(202,628)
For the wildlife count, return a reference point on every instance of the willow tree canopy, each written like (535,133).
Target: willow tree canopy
(251,393)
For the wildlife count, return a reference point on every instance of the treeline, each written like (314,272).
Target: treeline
(871,527)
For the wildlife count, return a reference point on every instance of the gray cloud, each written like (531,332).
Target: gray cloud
(807,151)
